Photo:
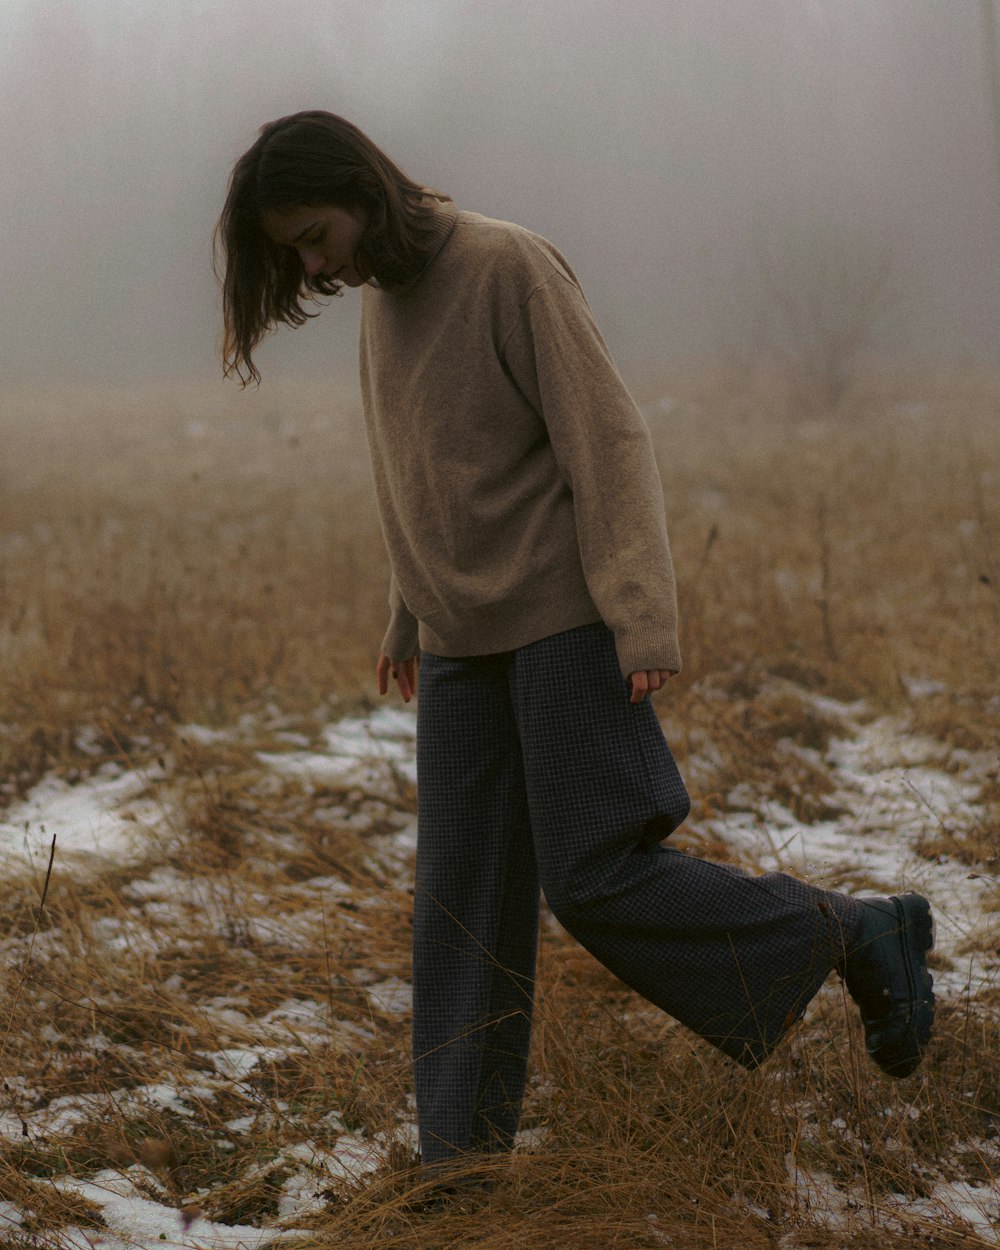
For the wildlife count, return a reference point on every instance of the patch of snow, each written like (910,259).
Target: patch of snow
(895,795)
(88,740)
(329,885)
(62,1115)
(353,1157)
(135,1222)
(9,1214)
(297,1016)
(166,1097)
(393,722)
(99,817)
(531,1138)
(102,818)
(391,995)
(11,1127)
(819,1196)
(352,1029)
(406,838)
(302,1195)
(242,1124)
(923,687)
(225,1011)
(239,1061)
(976,1205)
(203,735)
(396,850)
(350,1159)
(162,883)
(360,751)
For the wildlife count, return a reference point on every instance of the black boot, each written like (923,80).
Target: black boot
(886,974)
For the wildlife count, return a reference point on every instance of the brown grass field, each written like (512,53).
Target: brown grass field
(213,558)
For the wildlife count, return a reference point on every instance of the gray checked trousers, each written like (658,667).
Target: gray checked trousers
(535,771)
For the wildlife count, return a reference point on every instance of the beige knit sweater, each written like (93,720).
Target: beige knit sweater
(515,477)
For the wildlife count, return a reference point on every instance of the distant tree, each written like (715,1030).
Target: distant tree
(825,292)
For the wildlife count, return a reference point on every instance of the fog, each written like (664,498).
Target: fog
(685,155)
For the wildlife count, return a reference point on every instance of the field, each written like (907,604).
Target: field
(204,1012)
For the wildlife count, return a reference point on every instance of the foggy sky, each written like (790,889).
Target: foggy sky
(664,146)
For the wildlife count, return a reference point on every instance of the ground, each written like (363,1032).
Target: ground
(207,832)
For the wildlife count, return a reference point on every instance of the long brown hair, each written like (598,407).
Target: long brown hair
(313,159)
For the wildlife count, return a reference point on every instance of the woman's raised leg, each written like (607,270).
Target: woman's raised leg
(734,957)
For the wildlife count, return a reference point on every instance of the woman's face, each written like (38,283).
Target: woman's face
(326,239)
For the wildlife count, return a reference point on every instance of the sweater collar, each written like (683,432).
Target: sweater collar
(445,216)
(438,232)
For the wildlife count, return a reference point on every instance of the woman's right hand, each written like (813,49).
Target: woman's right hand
(403,672)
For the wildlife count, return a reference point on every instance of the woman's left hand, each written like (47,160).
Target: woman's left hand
(651,679)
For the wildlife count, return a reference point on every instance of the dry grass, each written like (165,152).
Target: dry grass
(182,563)
(164,565)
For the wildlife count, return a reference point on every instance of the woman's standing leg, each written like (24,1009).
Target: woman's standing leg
(734,957)
(475,910)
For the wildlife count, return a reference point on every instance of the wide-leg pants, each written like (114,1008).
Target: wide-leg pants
(535,771)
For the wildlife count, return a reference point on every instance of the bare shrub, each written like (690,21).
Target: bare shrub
(825,292)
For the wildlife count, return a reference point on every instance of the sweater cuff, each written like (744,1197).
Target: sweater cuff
(645,645)
(401,640)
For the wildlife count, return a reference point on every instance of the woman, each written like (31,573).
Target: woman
(531,579)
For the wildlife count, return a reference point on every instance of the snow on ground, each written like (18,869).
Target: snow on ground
(890,787)
(833,1205)
(134,1221)
(894,792)
(101,820)
(96,820)
(358,751)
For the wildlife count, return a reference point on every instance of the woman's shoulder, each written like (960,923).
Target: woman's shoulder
(514,250)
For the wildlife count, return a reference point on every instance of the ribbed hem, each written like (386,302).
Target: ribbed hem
(510,629)
(640,646)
